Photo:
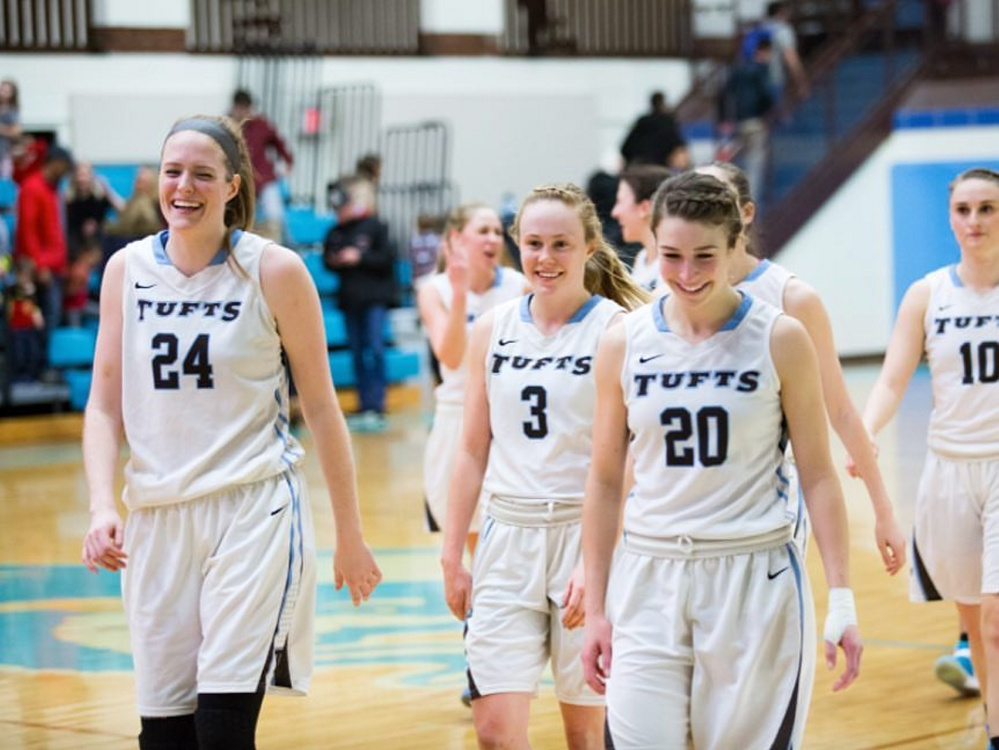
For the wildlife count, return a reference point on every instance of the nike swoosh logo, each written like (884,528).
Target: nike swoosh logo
(504,342)
(643,360)
(944,307)
(143,286)
(275,512)
(771,576)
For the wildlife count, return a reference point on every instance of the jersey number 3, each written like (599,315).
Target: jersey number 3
(711,446)
(537,397)
(196,362)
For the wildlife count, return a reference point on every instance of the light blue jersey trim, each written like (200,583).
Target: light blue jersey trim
(499,277)
(740,313)
(952,270)
(761,269)
(730,325)
(160,253)
(582,312)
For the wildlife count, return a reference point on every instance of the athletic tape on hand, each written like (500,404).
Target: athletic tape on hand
(841,615)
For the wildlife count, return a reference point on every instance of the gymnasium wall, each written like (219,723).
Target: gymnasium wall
(514,122)
(888,225)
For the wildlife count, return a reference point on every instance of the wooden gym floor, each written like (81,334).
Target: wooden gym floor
(389,674)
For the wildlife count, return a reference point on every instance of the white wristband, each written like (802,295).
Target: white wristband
(841,615)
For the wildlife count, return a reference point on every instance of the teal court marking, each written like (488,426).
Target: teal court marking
(62,617)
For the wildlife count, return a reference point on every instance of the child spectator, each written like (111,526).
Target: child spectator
(76,302)
(26,323)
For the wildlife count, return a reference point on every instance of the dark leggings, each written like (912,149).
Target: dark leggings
(223,721)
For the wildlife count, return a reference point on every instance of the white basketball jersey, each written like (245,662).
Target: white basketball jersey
(767,282)
(204,389)
(962,348)
(541,396)
(645,275)
(508,284)
(708,427)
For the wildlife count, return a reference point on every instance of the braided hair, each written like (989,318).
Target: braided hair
(701,198)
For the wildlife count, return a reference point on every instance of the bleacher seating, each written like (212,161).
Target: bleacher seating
(71,350)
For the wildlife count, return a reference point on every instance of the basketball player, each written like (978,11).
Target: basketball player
(949,316)
(531,388)
(473,281)
(705,604)
(219,584)
(774,284)
(633,209)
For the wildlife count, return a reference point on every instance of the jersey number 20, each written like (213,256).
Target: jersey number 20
(196,362)
(703,436)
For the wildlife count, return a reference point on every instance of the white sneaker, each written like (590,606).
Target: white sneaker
(957,671)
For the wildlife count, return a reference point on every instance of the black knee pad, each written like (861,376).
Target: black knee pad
(227,721)
(168,733)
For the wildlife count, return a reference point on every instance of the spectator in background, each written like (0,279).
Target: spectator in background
(263,141)
(424,248)
(744,105)
(655,138)
(89,199)
(26,324)
(77,302)
(141,215)
(10,125)
(359,250)
(369,167)
(784,62)
(40,234)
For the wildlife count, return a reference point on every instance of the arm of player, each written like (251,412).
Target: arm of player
(293,299)
(905,349)
(446,327)
(102,429)
(801,400)
(802,303)
(470,465)
(603,501)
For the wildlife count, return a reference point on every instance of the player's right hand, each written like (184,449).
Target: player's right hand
(458,590)
(103,544)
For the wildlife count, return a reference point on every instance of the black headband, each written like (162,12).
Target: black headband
(217,133)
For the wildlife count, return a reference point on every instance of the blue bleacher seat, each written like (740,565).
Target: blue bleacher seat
(306,228)
(336,328)
(326,281)
(401,365)
(72,347)
(79,387)
(8,194)
(342,369)
(121,177)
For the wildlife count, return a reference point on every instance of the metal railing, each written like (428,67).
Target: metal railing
(325,27)
(45,25)
(591,28)
(416,176)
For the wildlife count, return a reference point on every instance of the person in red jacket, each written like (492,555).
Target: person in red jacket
(264,143)
(40,233)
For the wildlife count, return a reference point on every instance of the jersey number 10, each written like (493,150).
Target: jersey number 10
(988,363)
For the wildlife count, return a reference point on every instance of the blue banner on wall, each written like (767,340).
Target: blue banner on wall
(921,236)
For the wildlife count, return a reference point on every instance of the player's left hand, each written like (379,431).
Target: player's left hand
(852,650)
(574,615)
(596,654)
(355,566)
(891,544)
